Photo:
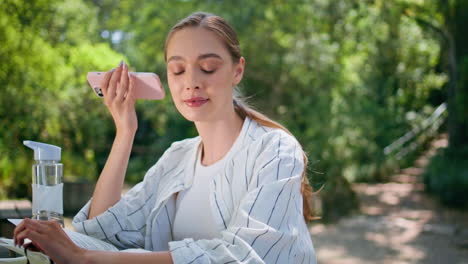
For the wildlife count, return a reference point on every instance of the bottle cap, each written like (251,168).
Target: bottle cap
(43,151)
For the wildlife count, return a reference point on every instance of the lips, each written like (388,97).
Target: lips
(196,101)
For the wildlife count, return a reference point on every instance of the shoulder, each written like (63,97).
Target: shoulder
(269,155)
(182,146)
(173,157)
(271,142)
(178,152)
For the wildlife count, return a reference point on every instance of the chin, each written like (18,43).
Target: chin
(195,116)
(202,114)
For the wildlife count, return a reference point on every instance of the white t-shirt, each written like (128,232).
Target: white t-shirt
(194,218)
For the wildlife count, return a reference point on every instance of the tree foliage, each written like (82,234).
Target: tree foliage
(46,49)
(346,77)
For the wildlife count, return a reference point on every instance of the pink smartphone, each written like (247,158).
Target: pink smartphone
(147,85)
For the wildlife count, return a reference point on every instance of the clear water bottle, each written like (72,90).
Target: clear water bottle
(47,182)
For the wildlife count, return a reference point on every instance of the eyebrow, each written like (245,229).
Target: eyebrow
(200,57)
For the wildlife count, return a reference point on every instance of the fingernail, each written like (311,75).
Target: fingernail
(121,63)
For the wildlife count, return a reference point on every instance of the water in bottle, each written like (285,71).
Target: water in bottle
(47,182)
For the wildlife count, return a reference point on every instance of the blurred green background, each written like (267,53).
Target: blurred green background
(348,78)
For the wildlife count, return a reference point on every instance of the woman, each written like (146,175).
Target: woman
(234,194)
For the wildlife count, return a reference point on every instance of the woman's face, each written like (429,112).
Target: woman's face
(201,74)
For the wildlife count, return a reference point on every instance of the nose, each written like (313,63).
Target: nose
(192,80)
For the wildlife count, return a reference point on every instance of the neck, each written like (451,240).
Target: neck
(218,136)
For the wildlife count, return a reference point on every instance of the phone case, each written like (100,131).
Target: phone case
(147,85)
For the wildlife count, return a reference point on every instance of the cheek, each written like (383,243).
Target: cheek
(174,83)
(176,96)
(223,84)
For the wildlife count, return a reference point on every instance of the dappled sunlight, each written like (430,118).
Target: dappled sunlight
(338,253)
(371,239)
(398,223)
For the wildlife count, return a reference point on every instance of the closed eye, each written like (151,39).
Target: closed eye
(205,71)
(208,72)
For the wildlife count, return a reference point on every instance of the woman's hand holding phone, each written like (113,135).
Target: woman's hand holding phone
(119,96)
(118,88)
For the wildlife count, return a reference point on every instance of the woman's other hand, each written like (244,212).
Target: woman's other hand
(49,238)
(118,90)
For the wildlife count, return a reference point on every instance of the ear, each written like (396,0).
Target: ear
(238,71)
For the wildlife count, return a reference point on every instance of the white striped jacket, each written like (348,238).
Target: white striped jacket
(255,200)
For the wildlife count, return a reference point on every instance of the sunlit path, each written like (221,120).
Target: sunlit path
(399,223)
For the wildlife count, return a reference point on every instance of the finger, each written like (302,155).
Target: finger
(131,89)
(105,81)
(35,225)
(55,224)
(33,246)
(123,87)
(28,224)
(27,233)
(45,226)
(111,89)
(18,229)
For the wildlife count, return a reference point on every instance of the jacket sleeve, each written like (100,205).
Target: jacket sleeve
(267,225)
(124,223)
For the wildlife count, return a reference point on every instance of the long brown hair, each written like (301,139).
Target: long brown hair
(226,33)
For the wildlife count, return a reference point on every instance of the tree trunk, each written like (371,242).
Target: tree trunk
(457,60)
